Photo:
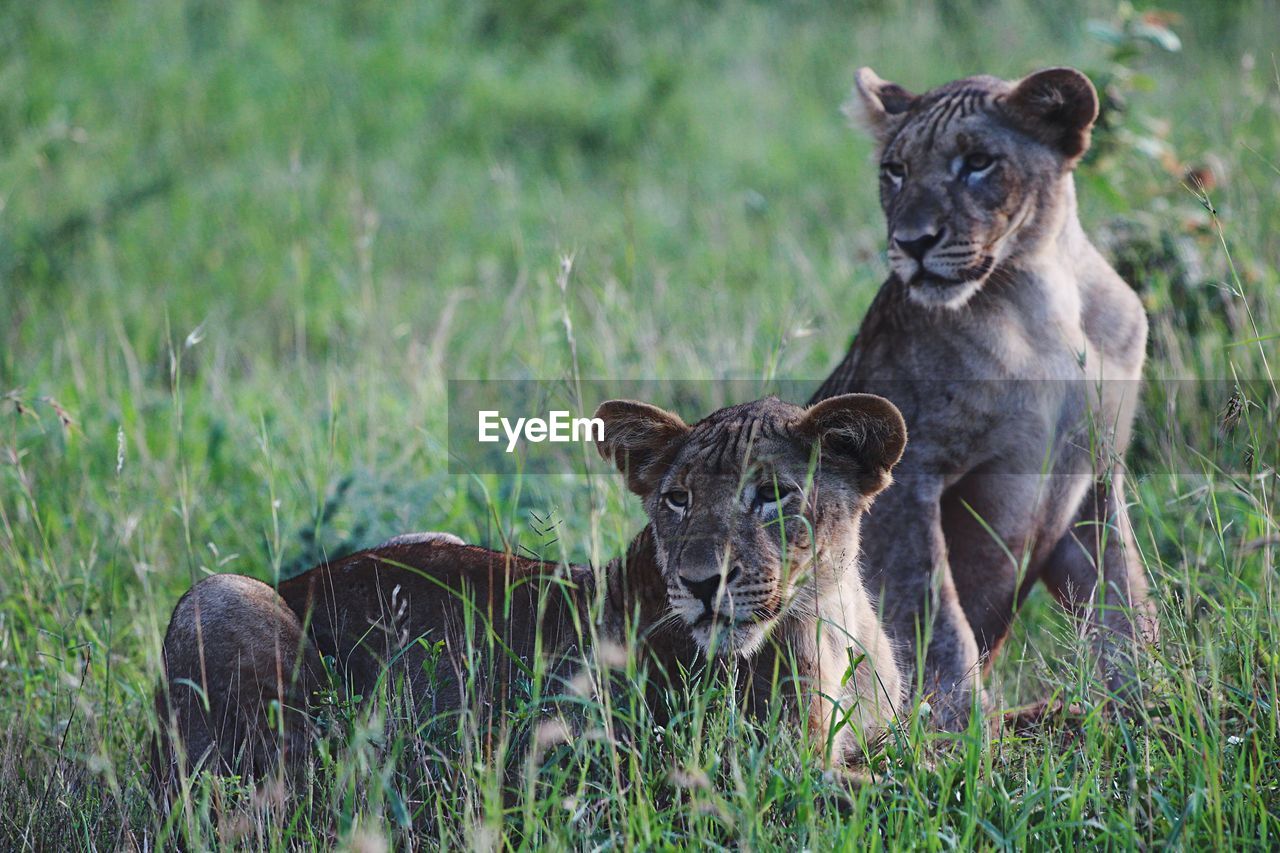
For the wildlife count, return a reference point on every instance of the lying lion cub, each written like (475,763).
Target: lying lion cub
(759,547)
(755,533)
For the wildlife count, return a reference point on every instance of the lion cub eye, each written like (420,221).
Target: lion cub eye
(977,162)
(677,499)
(770,492)
(893,171)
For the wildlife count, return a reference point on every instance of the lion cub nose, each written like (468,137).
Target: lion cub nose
(916,247)
(706,590)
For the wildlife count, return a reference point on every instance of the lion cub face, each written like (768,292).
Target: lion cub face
(971,172)
(755,508)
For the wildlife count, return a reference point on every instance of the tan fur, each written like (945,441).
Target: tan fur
(1014,352)
(251,649)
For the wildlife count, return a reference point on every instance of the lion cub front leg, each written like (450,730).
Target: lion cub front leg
(1100,541)
(951,662)
(907,567)
(852,709)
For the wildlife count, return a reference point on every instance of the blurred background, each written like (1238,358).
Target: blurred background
(307,216)
(244,245)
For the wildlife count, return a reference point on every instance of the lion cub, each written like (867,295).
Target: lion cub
(1014,351)
(754,545)
(755,514)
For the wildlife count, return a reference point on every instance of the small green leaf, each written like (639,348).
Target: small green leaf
(853,665)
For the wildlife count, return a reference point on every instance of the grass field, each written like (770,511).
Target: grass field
(244,246)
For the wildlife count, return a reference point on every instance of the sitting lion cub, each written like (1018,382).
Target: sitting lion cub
(1014,351)
(755,536)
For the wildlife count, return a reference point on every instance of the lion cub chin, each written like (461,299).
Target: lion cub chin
(755,512)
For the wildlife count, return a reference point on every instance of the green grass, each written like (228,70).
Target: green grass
(243,247)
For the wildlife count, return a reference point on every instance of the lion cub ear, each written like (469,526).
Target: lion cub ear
(1058,106)
(860,428)
(641,440)
(877,106)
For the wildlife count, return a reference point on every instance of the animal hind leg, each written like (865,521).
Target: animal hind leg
(238,674)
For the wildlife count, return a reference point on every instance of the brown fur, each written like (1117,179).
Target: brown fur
(244,644)
(1013,350)
(233,650)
